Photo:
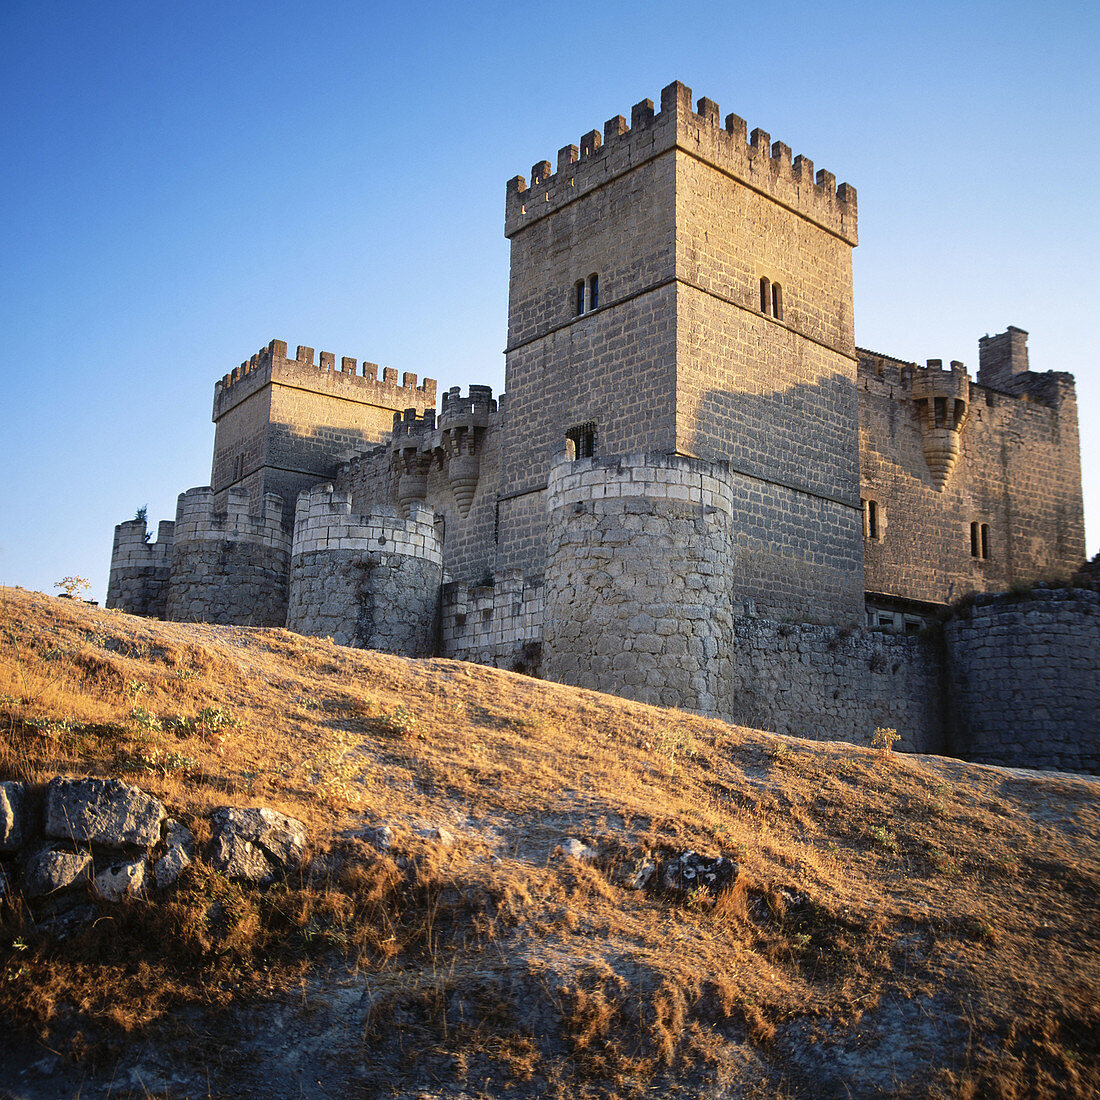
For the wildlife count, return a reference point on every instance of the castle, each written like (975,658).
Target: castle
(697,490)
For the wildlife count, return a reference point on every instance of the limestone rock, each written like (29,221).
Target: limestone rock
(575,849)
(181,851)
(254,844)
(690,871)
(103,811)
(380,836)
(12,829)
(50,870)
(122,879)
(639,876)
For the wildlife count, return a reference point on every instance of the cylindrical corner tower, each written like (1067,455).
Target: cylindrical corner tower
(638,578)
(228,567)
(369,581)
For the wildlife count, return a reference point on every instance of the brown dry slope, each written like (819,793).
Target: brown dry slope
(898,925)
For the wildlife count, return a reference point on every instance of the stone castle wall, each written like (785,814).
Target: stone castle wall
(499,624)
(830,683)
(1017,471)
(1024,679)
(140,570)
(228,566)
(371,581)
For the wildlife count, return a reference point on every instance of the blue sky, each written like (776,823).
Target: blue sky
(182,183)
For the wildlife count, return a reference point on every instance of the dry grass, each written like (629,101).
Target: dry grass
(930,921)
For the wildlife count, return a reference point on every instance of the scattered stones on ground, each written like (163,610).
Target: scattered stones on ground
(573,848)
(50,869)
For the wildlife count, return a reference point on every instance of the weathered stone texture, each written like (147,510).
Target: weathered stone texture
(12,815)
(255,844)
(638,580)
(1024,679)
(499,624)
(228,566)
(102,811)
(1018,471)
(371,581)
(831,683)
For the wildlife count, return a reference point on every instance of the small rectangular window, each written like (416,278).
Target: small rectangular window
(581,441)
(593,291)
(985,540)
(765,295)
(975,545)
(777,301)
(578,297)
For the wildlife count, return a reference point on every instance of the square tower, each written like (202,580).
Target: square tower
(284,424)
(680,288)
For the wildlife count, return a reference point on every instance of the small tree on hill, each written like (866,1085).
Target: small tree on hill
(72,587)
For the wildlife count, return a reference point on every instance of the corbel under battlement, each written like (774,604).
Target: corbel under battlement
(753,159)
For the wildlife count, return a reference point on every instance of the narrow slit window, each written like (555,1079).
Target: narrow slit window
(578,297)
(765,295)
(777,301)
(940,411)
(975,540)
(871,526)
(593,291)
(985,540)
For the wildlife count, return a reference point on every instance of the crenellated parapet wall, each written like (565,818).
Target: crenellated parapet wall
(1024,679)
(140,569)
(499,624)
(370,581)
(754,160)
(228,566)
(639,577)
(350,380)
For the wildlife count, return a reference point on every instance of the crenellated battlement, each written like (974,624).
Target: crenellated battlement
(133,549)
(359,381)
(140,569)
(754,159)
(323,521)
(411,427)
(473,407)
(199,519)
(933,380)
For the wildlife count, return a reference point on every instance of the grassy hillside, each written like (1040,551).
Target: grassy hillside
(898,926)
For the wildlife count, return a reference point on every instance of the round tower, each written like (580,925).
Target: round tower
(228,567)
(638,577)
(370,581)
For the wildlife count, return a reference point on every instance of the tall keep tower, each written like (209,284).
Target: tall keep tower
(680,288)
(284,424)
